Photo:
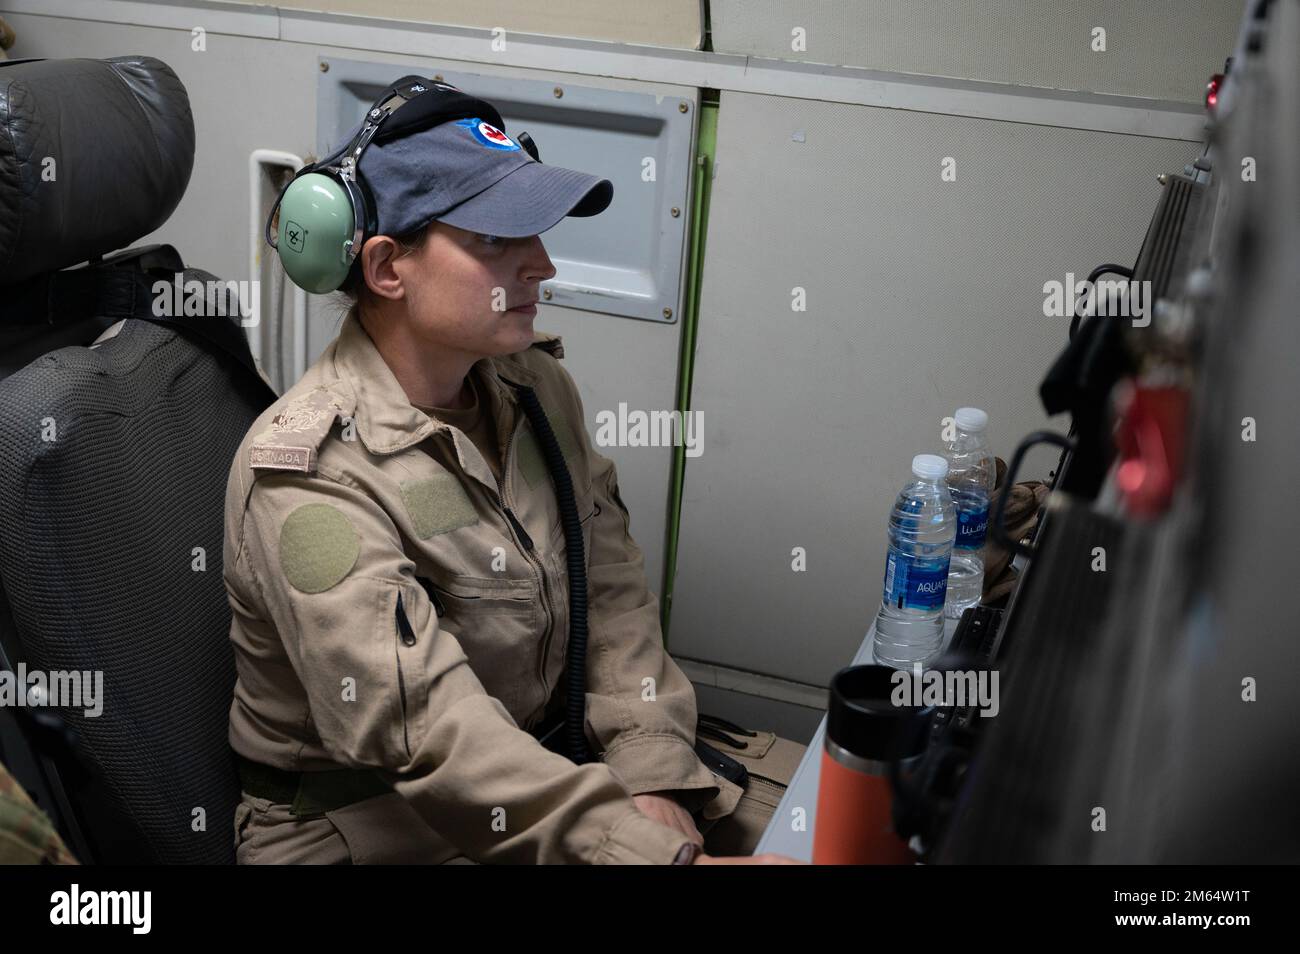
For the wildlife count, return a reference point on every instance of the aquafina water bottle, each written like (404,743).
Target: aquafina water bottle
(909,628)
(971,475)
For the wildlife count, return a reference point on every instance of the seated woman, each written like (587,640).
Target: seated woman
(397,562)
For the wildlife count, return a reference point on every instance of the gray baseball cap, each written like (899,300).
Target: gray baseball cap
(470,174)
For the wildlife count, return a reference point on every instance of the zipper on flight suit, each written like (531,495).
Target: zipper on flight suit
(533,560)
(528,548)
(406,634)
(519,528)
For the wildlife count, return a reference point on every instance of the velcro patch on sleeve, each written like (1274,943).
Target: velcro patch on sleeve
(318,547)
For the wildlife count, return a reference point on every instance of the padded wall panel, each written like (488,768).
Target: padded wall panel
(922,296)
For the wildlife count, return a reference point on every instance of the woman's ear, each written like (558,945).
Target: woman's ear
(378,258)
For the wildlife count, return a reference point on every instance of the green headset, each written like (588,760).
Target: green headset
(328,201)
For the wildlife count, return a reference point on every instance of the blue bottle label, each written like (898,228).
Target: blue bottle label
(971,528)
(915,583)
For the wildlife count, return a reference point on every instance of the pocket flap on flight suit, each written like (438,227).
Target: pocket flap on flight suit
(386,829)
(498,624)
(484,596)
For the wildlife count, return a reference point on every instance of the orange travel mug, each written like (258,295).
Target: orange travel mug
(865,733)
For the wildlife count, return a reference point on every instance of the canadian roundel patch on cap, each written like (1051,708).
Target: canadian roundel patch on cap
(489,135)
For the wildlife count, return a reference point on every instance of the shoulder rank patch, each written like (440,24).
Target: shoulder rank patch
(291,439)
(552,344)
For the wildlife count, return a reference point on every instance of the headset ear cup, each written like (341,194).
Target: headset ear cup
(317,221)
(325,215)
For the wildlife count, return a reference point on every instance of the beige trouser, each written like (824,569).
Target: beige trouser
(266,832)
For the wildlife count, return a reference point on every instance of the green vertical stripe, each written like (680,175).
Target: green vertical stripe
(702,187)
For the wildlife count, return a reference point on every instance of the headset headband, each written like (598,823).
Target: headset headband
(411,104)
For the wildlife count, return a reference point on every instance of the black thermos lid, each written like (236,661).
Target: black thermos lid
(863,719)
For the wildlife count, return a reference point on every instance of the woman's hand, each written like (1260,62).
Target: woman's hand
(666,811)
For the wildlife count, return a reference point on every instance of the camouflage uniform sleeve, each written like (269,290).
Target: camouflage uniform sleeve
(27,836)
(390,689)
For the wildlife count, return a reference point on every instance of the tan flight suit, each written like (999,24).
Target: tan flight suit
(400,620)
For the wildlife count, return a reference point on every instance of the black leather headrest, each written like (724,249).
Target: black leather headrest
(94,155)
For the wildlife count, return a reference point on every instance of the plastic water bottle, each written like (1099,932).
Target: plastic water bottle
(971,476)
(909,628)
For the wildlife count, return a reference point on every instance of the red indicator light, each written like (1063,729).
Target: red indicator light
(1212,91)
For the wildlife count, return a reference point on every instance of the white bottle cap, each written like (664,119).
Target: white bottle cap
(971,419)
(929,467)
